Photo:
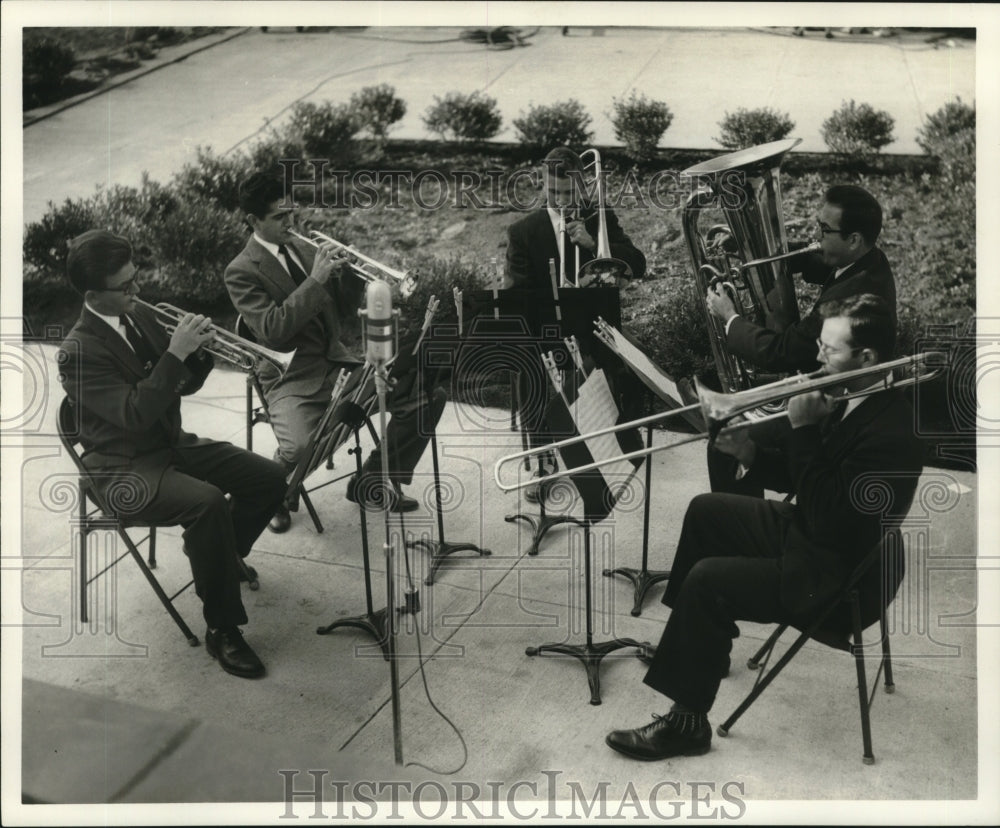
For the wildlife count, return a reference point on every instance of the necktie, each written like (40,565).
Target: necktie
(142,348)
(296,272)
(834,417)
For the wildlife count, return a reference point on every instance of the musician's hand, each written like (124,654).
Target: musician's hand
(737,443)
(719,304)
(191,333)
(578,234)
(809,408)
(323,263)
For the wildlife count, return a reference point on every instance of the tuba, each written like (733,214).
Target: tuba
(748,254)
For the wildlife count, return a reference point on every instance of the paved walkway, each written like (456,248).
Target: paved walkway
(230,94)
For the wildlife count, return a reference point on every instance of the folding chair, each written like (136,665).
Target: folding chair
(104,517)
(260,414)
(836,632)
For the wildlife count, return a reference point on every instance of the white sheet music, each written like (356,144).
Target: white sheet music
(661,384)
(593,410)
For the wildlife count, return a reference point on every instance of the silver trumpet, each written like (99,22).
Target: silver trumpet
(365,268)
(242,353)
(718,409)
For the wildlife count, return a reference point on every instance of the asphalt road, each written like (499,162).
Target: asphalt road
(225,96)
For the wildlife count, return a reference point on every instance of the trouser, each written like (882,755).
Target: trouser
(727,568)
(414,416)
(192,493)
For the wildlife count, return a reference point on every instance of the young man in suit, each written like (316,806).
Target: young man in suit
(745,558)
(848,264)
(293,296)
(535,240)
(126,378)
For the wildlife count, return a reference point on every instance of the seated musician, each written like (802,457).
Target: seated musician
(532,242)
(848,264)
(292,296)
(745,558)
(126,378)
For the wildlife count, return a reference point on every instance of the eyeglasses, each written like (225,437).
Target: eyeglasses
(823,348)
(124,287)
(826,228)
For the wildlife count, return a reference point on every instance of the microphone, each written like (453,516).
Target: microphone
(378,323)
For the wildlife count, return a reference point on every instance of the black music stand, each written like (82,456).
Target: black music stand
(589,653)
(642,579)
(545,319)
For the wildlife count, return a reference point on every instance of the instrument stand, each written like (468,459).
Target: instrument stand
(589,653)
(374,623)
(541,524)
(642,579)
(440,549)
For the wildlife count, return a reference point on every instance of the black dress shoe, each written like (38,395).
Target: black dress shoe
(281,520)
(233,653)
(248,573)
(676,734)
(370,492)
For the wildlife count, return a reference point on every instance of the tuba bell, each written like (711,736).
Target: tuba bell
(748,254)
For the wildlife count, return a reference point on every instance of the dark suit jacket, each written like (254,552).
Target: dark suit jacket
(852,485)
(129,418)
(794,349)
(531,242)
(286,316)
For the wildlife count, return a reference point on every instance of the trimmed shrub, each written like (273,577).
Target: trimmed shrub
(564,123)
(321,130)
(857,132)
(750,127)
(377,108)
(950,136)
(460,117)
(214,178)
(45,61)
(640,123)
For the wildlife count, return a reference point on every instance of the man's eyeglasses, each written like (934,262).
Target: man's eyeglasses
(826,228)
(124,287)
(823,348)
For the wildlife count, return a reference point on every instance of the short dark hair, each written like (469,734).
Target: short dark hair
(259,192)
(562,161)
(860,212)
(93,257)
(872,322)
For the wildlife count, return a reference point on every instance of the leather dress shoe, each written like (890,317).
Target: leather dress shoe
(247,573)
(234,655)
(676,734)
(370,492)
(281,520)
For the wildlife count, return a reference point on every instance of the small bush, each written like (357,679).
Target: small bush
(950,136)
(640,123)
(377,108)
(322,130)
(214,178)
(564,123)
(46,61)
(750,127)
(459,117)
(857,132)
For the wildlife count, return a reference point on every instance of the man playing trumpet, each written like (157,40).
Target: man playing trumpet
(292,296)
(745,558)
(126,376)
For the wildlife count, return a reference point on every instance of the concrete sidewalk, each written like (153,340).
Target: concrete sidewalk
(227,96)
(122,710)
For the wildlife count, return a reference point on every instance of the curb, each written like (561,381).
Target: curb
(35,115)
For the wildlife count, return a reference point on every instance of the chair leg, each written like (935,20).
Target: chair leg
(766,649)
(250,416)
(311,509)
(859,660)
(890,687)
(164,598)
(84,532)
(152,547)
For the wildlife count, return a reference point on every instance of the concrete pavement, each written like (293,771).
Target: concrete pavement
(227,96)
(195,734)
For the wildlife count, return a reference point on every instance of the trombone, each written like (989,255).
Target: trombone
(365,268)
(603,266)
(718,408)
(244,354)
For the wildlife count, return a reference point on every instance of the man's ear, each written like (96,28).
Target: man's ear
(869,357)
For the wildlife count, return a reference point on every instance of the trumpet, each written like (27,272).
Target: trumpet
(365,268)
(244,354)
(718,409)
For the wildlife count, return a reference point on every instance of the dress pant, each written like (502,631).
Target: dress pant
(414,416)
(192,493)
(727,568)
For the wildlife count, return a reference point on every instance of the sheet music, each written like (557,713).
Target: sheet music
(654,377)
